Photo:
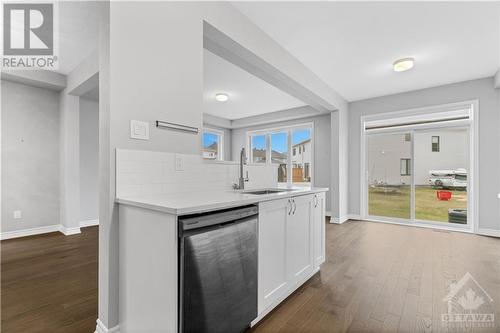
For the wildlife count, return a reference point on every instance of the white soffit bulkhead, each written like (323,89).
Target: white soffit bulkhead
(352,45)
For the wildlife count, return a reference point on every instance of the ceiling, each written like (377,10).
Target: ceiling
(248,95)
(78,32)
(351,45)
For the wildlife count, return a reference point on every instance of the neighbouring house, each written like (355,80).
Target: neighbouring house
(278,157)
(301,161)
(389,162)
(259,155)
(210,152)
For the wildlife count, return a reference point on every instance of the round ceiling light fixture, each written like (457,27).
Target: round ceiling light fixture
(221,97)
(403,64)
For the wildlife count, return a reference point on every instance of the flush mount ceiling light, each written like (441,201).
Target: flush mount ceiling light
(221,97)
(404,64)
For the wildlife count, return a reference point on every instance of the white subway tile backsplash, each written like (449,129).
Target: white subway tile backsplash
(130,166)
(148,172)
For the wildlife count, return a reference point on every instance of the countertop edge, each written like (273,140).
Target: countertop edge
(210,207)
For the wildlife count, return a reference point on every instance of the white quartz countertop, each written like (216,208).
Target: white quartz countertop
(197,202)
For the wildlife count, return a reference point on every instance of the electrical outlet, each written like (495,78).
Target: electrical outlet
(179,163)
(18,214)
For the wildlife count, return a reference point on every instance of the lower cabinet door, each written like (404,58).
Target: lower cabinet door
(272,276)
(300,239)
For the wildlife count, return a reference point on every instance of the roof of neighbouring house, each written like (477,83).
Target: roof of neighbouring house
(211,148)
(301,143)
(262,153)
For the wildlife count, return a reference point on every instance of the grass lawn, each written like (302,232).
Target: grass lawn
(396,203)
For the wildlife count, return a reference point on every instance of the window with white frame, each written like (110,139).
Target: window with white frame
(212,144)
(289,148)
(258,148)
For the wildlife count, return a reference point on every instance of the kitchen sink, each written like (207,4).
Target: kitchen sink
(267,191)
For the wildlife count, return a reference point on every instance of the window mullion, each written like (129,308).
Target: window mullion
(268,148)
(412,176)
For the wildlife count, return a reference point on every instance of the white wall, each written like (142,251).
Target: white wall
(69,157)
(339,164)
(89,159)
(30,156)
(167,85)
(322,143)
(156,74)
(481,89)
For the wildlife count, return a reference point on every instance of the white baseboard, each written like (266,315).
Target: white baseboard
(89,223)
(101,328)
(44,230)
(488,232)
(69,231)
(344,218)
(339,220)
(29,232)
(328,213)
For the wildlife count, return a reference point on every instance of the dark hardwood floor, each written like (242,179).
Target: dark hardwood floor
(388,278)
(49,283)
(377,278)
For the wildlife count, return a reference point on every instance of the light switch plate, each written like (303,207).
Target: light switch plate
(18,214)
(179,163)
(139,130)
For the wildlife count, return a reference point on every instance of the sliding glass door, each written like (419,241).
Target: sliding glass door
(389,175)
(441,165)
(419,175)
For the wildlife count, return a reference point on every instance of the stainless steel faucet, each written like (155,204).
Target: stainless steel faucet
(241,179)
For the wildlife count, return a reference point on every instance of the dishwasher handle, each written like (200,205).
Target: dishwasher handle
(196,221)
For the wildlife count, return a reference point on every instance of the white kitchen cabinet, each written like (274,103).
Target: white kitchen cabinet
(319,225)
(291,246)
(299,239)
(273,280)
(288,251)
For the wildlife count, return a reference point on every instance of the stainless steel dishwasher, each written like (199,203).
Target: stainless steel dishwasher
(218,270)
